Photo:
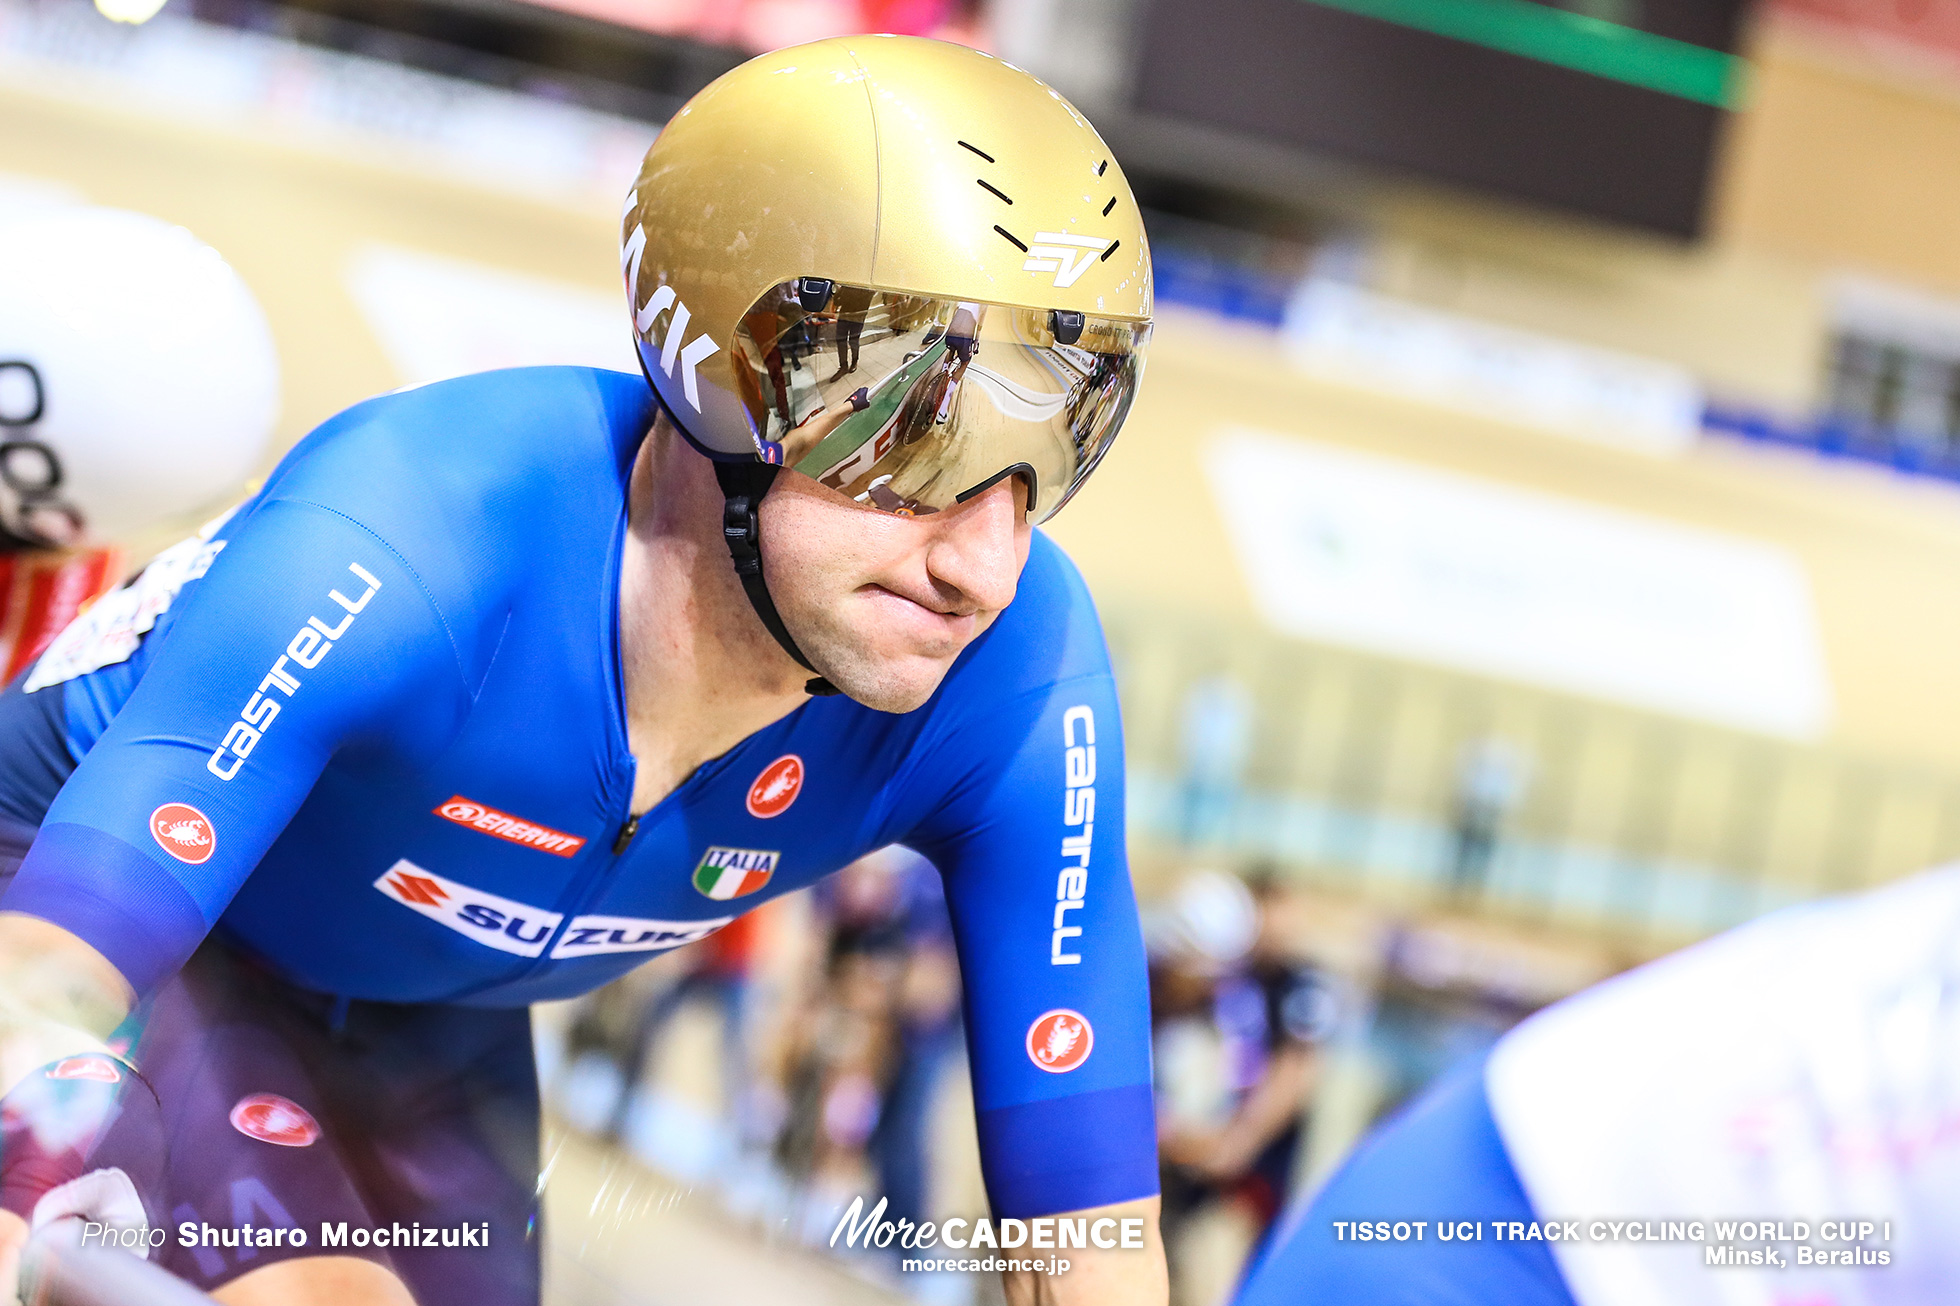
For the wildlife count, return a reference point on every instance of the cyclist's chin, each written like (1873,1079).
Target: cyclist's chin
(884,681)
(886,669)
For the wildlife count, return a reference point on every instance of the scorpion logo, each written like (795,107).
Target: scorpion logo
(1062,1037)
(1060,1040)
(777,787)
(183,832)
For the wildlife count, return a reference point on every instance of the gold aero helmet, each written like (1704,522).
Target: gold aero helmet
(898,266)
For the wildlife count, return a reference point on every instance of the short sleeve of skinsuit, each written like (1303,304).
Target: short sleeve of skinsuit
(309,634)
(1027,829)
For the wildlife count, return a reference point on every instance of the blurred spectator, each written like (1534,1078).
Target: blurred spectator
(839,1024)
(1217,742)
(837,1058)
(1236,1022)
(853,303)
(929,1032)
(1491,777)
(861,1055)
(717,972)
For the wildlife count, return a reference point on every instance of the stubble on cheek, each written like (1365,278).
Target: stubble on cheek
(828,558)
(871,655)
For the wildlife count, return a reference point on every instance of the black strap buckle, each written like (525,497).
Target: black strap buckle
(742,485)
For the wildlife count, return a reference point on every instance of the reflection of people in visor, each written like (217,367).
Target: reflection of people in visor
(809,433)
(934,423)
(853,302)
(962,342)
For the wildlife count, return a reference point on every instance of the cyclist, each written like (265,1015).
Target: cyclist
(466,709)
(1801,1071)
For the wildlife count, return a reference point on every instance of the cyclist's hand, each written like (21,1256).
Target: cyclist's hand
(78,1137)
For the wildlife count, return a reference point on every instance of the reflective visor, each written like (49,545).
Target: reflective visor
(912,404)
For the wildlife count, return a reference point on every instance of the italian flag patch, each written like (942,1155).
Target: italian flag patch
(734,872)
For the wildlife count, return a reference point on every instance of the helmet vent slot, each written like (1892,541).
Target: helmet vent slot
(982,153)
(1011,238)
(1107,207)
(1102,167)
(997,191)
(1111,250)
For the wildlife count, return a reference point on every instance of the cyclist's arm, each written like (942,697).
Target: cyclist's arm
(1097,1276)
(1030,841)
(59,997)
(308,632)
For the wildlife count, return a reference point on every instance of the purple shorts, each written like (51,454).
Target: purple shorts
(414,1127)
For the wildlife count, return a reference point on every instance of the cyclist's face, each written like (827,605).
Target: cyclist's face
(881,603)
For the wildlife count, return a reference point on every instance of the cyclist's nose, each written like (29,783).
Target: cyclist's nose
(978,548)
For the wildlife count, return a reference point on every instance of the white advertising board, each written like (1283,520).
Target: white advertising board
(1397,558)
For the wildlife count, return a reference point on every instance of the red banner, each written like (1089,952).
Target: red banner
(1933,26)
(41,591)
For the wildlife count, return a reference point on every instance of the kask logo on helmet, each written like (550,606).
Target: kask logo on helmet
(664,297)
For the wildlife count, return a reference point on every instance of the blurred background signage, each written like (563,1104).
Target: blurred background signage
(1405,560)
(1349,334)
(441,317)
(1610,108)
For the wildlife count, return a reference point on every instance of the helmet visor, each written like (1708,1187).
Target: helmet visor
(912,404)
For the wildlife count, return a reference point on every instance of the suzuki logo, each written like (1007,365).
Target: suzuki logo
(657,303)
(417,889)
(1068,257)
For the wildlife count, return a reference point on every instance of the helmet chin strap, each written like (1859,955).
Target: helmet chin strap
(742,486)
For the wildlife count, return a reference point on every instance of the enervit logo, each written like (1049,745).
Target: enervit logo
(663,298)
(589,936)
(494,921)
(184,832)
(777,787)
(1060,1040)
(1068,257)
(734,872)
(478,816)
(100,1069)
(274,1119)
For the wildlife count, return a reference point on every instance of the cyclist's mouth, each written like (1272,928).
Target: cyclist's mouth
(932,630)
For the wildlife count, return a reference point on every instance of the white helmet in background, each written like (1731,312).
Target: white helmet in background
(1209,923)
(138,378)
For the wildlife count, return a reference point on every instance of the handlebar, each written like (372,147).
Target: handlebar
(53,1273)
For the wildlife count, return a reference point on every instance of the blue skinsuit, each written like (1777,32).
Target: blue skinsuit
(427,590)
